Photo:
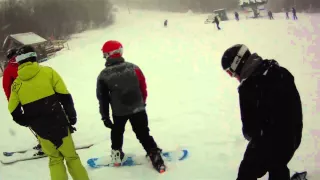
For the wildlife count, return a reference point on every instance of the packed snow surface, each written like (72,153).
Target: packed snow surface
(192,103)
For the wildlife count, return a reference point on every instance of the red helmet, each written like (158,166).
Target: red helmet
(112,49)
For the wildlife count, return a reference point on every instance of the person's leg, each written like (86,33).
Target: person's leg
(117,131)
(281,153)
(218,26)
(75,167)
(253,165)
(56,165)
(139,123)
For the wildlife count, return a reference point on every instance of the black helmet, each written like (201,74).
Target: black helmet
(11,53)
(234,58)
(26,54)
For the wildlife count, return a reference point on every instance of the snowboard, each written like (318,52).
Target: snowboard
(134,160)
(29,154)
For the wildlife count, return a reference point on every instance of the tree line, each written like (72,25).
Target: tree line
(57,18)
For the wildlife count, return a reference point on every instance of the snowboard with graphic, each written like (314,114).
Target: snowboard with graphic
(134,160)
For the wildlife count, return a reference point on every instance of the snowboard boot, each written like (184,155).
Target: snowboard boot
(156,159)
(117,157)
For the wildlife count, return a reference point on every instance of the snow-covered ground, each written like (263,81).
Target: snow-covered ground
(192,103)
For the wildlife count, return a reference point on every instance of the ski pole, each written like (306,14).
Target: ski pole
(34,134)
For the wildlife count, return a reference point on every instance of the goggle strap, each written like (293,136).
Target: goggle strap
(106,55)
(236,61)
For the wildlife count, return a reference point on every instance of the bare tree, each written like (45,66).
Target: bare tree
(59,18)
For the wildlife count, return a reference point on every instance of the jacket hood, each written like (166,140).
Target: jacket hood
(28,70)
(250,66)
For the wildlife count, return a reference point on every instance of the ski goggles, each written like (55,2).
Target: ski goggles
(230,72)
(117,51)
(21,57)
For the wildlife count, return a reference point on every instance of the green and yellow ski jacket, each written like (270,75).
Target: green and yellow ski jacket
(40,100)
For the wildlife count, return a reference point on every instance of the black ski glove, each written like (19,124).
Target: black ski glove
(72,120)
(107,123)
(72,129)
(22,121)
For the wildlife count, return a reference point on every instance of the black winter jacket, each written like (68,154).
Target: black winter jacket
(270,104)
(122,85)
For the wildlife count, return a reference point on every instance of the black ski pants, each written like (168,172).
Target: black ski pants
(218,27)
(139,123)
(267,155)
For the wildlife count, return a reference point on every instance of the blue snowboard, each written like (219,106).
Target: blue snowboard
(133,160)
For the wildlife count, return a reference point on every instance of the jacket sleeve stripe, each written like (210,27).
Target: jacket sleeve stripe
(142,83)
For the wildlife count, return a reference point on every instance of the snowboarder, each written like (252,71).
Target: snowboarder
(270,15)
(10,73)
(165,23)
(216,20)
(271,113)
(236,14)
(48,110)
(294,14)
(122,85)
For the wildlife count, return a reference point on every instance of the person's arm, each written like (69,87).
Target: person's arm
(14,105)
(142,83)
(65,97)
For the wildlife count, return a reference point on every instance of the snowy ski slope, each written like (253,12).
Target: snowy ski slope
(192,103)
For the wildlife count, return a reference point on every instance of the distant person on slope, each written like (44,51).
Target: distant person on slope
(165,23)
(40,100)
(122,85)
(236,14)
(271,113)
(10,73)
(294,14)
(216,20)
(270,15)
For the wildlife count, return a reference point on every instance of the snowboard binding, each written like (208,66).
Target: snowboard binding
(156,160)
